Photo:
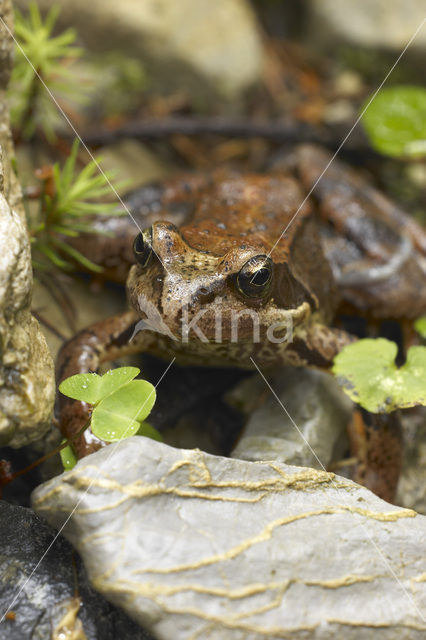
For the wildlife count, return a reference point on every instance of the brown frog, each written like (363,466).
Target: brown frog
(231,270)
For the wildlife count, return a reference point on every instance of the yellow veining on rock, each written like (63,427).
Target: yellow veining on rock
(377,625)
(171,491)
(281,481)
(420,578)
(198,484)
(200,476)
(154,590)
(390,516)
(238,621)
(337,583)
(266,534)
(236,624)
(256,611)
(196,461)
(299,481)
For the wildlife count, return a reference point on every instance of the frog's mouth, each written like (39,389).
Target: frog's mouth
(216,323)
(151,319)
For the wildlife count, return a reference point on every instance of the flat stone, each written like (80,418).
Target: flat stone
(367,23)
(197,47)
(26,367)
(48,600)
(317,405)
(198,546)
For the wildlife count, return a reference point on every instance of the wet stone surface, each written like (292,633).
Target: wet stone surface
(199,546)
(26,366)
(320,413)
(50,591)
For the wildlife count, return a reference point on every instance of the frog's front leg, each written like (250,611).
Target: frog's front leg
(100,342)
(316,346)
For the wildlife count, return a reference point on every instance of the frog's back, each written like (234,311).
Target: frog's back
(267,212)
(376,251)
(250,209)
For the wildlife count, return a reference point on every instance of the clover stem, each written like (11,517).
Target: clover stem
(6,478)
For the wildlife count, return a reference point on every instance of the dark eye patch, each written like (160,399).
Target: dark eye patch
(261,277)
(142,247)
(255,277)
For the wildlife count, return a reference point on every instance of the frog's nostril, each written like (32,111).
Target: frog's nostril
(168,243)
(205,295)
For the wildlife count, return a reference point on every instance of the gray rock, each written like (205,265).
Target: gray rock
(367,23)
(196,47)
(198,546)
(26,367)
(315,402)
(49,593)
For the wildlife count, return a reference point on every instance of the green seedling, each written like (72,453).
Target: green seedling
(120,405)
(68,200)
(40,56)
(395,122)
(368,374)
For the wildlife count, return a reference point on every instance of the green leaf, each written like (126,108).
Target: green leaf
(75,195)
(78,257)
(64,178)
(50,56)
(70,233)
(112,427)
(68,457)
(53,256)
(149,431)
(35,16)
(119,415)
(367,371)
(82,386)
(395,121)
(51,18)
(91,387)
(420,326)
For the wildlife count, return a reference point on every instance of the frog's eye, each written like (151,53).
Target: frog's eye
(255,277)
(142,247)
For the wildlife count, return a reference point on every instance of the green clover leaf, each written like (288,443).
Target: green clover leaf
(149,431)
(92,388)
(395,121)
(119,415)
(367,371)
(121,405)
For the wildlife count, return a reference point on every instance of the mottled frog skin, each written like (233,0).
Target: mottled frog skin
(213,246)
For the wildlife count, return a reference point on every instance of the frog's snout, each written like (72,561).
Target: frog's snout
(168,243)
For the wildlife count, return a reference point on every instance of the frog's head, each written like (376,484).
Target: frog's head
(215,292)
